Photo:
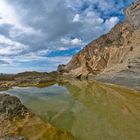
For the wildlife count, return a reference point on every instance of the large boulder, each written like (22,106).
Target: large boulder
(62,68)
(10,107)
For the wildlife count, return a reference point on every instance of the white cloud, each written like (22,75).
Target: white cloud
(30,57)
(9,16)
(93,18)
(110,23)
(3,63)
(9,47)
(9,42)
(76,18)
(74,41)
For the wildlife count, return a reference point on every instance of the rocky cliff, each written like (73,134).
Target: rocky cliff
(113,57)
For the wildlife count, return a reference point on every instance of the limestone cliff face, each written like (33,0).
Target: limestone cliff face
(112,53)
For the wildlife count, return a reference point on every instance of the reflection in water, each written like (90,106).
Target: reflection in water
(87,109)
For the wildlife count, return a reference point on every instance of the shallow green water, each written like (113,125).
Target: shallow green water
(89,110)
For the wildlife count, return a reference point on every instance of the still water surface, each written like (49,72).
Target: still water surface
(86,109)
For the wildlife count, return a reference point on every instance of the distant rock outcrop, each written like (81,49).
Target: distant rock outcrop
(113,56)
(31,78)
(61,68)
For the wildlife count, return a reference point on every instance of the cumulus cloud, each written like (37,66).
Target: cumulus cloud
(74,41)
(9,47)
(76,18)
(8,16)
(110,23)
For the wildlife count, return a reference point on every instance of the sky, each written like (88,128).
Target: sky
(38,35)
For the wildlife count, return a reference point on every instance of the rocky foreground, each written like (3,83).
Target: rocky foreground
(114,57)
(18,123)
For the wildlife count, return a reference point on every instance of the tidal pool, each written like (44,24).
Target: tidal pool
(88,110)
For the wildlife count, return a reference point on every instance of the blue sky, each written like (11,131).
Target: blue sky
(40,34)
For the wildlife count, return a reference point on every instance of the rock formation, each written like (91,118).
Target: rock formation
(11,107)
(113,57)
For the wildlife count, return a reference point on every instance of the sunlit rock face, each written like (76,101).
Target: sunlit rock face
(114,55)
